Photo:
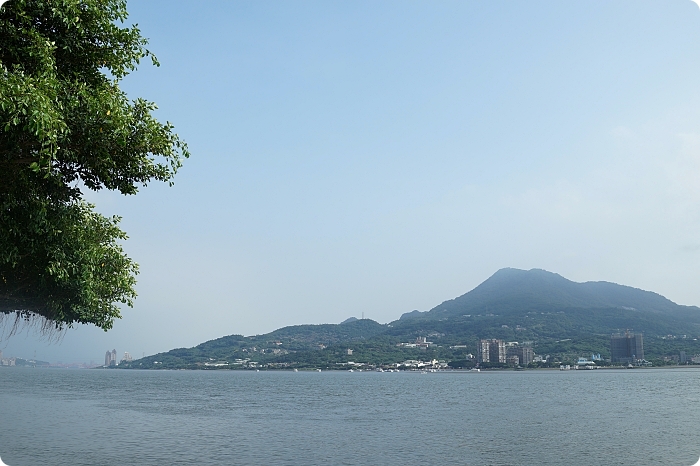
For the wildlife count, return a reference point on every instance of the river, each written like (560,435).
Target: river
(122,417)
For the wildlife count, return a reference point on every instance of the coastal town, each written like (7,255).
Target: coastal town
(626,351)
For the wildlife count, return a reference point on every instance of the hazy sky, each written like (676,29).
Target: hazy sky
(381,157)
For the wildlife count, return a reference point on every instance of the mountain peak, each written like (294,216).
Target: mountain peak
(509,272)
(512,290)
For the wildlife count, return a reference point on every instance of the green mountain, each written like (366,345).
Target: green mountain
(514,291)
(279,347)
(557,316)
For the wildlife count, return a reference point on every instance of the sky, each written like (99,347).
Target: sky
(380,157)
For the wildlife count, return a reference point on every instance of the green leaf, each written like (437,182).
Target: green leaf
(66,124)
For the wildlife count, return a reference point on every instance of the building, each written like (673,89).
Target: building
(627,348)
(6,362)
(349,351)
(492,351)
(422,342)
(111,358)
(525,354)
(127,357)
(482,351)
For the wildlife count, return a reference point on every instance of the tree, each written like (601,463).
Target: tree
(66,126)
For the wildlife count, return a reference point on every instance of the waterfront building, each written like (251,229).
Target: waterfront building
(525,354)
(111,358)
(8,362)
(482,351)
(491,351)
(627,348)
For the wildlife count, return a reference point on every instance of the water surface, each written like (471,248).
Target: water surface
(115,417)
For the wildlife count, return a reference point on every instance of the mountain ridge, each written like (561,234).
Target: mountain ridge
(529,285)
(555,315)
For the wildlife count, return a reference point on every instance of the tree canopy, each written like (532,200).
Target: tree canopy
(66,126)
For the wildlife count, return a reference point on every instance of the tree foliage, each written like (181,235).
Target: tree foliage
(66,126)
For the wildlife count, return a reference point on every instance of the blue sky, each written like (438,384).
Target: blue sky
(381,157)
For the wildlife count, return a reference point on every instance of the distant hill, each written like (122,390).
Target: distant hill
(301,337)
(274,345)
(555,315)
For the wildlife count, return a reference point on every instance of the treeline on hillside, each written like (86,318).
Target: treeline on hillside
(564,336)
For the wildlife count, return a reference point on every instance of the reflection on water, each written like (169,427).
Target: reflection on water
(113,417)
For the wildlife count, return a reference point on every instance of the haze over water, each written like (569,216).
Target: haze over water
(625,417)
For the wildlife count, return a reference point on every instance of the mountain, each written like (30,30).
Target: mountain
(275,346)
(557,316)
(514,291)
(301,337)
